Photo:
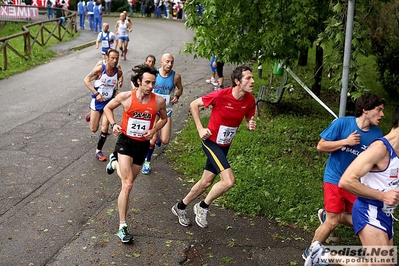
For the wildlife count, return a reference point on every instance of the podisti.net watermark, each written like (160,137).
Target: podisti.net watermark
(359,255)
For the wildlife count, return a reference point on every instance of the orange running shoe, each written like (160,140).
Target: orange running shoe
(101,157)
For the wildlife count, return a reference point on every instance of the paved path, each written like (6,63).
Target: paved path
(58,206)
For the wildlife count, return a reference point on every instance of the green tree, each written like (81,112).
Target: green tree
(239,31)
(334,37)
(383,24)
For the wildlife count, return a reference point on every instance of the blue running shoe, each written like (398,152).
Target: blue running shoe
(316,250)
(110,169)
(305,254)
(146,168)
(125,235)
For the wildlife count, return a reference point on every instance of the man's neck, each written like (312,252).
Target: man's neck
(363,123)
(110,70)
(142,97)
(163,73)
(238,93)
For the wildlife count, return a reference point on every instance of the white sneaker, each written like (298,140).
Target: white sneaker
(215,83)
(211,80)
(200,215)
(316,250)
(182,215)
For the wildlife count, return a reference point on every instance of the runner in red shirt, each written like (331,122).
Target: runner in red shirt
(229,107)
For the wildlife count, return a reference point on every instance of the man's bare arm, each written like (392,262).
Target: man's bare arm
(374,158)
(93,75)
(179,88)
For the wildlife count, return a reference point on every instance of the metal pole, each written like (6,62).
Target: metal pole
(260,70)
(259,67)
(347,56)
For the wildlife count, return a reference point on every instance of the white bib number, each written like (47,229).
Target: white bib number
(106,91)
(226,135)
(123,32)
(104,44)
(137,127)
(166,97)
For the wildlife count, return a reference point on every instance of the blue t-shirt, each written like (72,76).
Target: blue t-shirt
(165,87)
(340,159)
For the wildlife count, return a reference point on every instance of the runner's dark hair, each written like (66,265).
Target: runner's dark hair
(138,72)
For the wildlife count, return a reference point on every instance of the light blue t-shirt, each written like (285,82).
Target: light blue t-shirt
(340,159)
(165,87)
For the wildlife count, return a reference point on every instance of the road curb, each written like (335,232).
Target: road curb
(82,46)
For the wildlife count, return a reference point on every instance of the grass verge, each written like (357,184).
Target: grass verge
(40,54)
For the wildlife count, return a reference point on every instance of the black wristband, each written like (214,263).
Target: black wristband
(96,94)
(177,96)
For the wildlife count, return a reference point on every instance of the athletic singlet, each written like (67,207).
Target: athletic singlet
(164,86)
(106,85)
(106,41)
(139,118)
(384,180)
(227,114)
(122,29)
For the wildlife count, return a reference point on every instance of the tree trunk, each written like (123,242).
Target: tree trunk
(303,57)
(316,88)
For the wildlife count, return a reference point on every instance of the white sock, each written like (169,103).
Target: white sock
(122,224)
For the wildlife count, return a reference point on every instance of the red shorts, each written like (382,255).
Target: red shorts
(336,199)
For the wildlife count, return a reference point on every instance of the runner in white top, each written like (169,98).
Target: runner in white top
(122,29)
(107,39)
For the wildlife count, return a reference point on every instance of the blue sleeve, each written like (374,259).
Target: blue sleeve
(332,132)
